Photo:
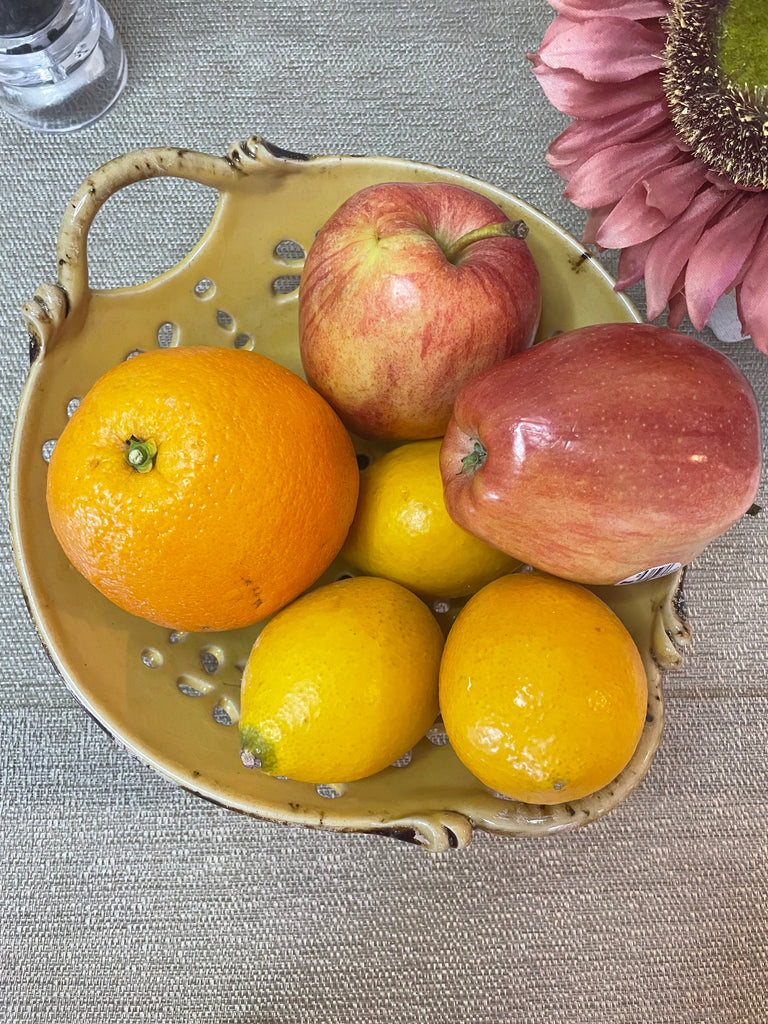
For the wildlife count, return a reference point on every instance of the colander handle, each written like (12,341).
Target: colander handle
(51,304)
(218,172)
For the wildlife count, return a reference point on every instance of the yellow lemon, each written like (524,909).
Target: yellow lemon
(341,683)
(402,529)
(542,689)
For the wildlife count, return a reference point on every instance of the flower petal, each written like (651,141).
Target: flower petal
(720,254)
(632,265)
(607,175)
(604,49)
(631,221)
(671,188)
(670,250)
(652,203)
(575,96)
(752,295)
(677,309)
(582,137)
(599,8)
(556,28)
(595,218)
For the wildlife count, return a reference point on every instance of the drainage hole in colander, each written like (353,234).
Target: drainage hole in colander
(189,691)
(211,658)
(72,404)
(287,249)
(205,288)
(151,657)
(404,761)
(329,792)
(225,712)
(194,686)
(225,320)
(286,284)
(499,796)
(437,735)
(47,450)
(168,334)
(244,340)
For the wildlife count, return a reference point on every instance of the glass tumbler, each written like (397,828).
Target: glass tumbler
(61,64)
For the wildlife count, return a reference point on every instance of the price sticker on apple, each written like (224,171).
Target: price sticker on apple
(651,574)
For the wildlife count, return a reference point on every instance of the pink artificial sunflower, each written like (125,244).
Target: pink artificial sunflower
(668,147)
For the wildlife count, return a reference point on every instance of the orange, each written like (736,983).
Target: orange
(202,488)
(542,689)
(402,529)
(341,683)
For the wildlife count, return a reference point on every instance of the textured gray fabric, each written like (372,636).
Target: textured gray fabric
(125,899)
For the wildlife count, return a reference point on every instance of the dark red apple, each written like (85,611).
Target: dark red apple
(604,452)
(408,291)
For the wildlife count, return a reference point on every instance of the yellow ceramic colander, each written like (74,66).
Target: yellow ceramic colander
(172,699)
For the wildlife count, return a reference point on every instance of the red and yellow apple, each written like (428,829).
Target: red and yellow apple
(408,291)
(604,452)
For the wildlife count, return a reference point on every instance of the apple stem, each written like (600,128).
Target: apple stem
(472,462)
(506,228)
(141,454)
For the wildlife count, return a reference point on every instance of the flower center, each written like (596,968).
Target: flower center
(744,45)
(716,82)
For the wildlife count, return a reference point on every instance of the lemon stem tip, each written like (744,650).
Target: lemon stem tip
(249,759)
(256,751)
